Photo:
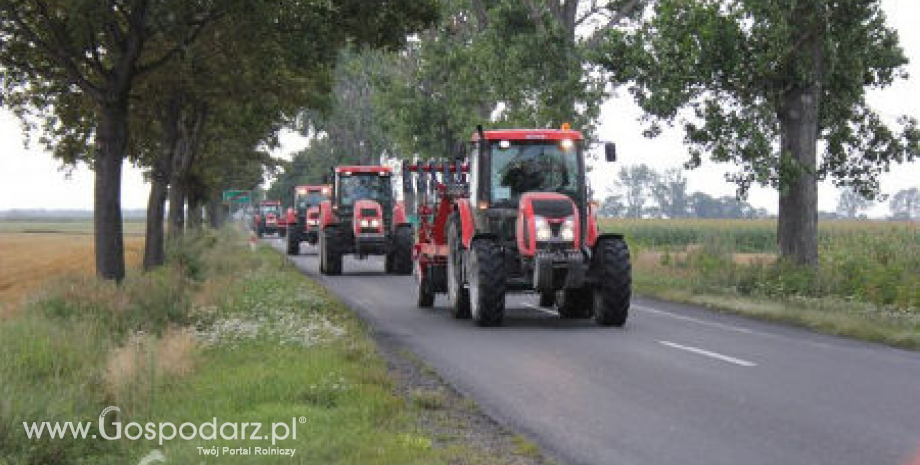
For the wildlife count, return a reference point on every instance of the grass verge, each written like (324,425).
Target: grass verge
(827,315)
(222,335)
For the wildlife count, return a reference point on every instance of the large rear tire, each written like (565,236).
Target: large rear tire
(486,272)
(331,252)
(402,253)
(614,282)
(457,295)
(575,303)
(293,244)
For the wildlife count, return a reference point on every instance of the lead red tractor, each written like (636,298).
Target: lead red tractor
(303,216)
(515,217)
(267,218)
(362,218)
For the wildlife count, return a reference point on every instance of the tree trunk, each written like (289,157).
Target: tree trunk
(154,247)
(194,209)
(176,208)
(215,211)
(797,226)
(111,143)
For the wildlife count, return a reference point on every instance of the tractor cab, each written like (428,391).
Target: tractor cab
(303,218)
(268,218)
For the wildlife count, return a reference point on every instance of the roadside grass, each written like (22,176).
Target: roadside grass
(221,332)
(867,284)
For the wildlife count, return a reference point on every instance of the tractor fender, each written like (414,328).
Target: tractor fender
(399,214)
(467,225)
(291,217)
(591,236)
(326,217)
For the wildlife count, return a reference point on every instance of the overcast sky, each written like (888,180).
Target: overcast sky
(31,178)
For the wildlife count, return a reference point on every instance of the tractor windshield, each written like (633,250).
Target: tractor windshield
(309,199)
(519,167)
(275,209)
(368,186)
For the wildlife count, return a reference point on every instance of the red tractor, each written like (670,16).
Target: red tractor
(303,216)
(361,218)
(267,219)
(516,218)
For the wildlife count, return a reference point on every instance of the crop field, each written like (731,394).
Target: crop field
(33,251)
(870,269)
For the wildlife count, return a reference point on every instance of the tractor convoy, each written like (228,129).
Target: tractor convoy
(511,215)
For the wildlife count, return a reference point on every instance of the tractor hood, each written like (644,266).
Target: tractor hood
(368,217)
(547,220)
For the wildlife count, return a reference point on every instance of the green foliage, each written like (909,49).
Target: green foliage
(726,71)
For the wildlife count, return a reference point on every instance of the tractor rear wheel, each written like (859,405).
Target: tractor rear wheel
(424,294)
(293,243)
(486,272)
(575,303)
(614,282)
(457,295)
(402,253)
(330,251)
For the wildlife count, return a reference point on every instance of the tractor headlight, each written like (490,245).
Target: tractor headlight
(375,223)
(542,230)
(365,223)
(567,232)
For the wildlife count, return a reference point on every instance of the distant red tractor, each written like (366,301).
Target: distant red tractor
(515,217)
(303,216)
(267,219)
(361,218)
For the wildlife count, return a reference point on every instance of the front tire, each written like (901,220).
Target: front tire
(547,298)
(487,283)
(457,295)
(614,282)
(575,303)
(293,244)
(402,253)
(424,294)
(331,253)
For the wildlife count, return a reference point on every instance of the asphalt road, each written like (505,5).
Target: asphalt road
(678,385)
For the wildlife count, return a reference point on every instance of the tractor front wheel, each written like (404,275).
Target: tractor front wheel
(575,303)
(293,244)
(424,294)
(547,298)
(486,272)
(330,252)
(457,295)
(402,253)
(614,282)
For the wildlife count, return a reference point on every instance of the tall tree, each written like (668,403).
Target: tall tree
(635,184)
(850,203)
(758,83)
(670,192)
(77,61)
(905,204)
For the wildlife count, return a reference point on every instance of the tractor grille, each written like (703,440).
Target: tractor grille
(553,208)
(367,212)
(369,230)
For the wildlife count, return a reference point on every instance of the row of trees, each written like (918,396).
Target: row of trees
(194,91)
(642,192)
(903,205)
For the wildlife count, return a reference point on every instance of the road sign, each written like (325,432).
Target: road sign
(237,196)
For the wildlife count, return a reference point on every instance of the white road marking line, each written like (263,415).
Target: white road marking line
(715,355)
(695,320)
(540,309)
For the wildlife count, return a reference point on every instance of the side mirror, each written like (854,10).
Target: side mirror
(326,179)
(610,152)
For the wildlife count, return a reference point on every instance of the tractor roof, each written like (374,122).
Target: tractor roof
(363,169)
(531,134)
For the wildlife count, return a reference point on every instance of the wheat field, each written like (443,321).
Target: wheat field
(31,253)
